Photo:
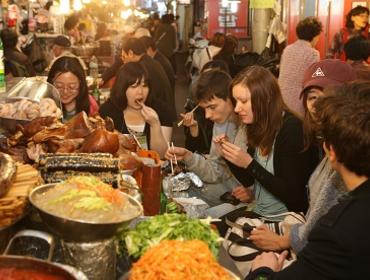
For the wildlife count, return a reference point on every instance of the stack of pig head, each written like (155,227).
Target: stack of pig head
(81,134)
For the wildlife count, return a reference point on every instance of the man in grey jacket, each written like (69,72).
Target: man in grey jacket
(213,96)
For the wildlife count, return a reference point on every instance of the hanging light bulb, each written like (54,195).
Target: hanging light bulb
(86,1)
(64,7)
(77,5)
(126,3)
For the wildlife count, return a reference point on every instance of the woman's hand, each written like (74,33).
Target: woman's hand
(270,260)
(180,153)
(235,154)
(150,116)
(267,240)
(243,194)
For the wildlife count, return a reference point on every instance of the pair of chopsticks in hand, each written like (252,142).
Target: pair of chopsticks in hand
(192,111)
(171,162)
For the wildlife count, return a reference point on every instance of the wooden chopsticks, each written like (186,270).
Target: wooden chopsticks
(192,111)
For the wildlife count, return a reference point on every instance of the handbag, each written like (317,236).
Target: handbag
(242,250)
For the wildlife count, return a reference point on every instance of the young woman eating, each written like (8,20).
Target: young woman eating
(276,162)
(134,111)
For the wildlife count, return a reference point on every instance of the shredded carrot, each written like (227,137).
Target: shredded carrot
(178,260)
(103,190)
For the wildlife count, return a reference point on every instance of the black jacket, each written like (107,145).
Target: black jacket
(167,67)
(338,247)
(160,86)
(110,72)
(292,167)
(18,64)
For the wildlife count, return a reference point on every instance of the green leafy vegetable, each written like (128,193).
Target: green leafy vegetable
(168,226)
(93,203)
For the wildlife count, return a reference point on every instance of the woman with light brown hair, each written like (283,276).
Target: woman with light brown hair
(275,162)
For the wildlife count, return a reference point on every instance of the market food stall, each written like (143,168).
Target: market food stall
(86,187)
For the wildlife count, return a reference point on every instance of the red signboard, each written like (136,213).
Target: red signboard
(230,19)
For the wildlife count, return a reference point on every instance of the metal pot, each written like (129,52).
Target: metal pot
(81,231)
(35,265)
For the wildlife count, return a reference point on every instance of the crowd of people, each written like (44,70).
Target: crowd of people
(298,142)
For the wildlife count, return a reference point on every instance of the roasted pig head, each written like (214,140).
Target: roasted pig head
(127,142)
(129,162)
(64,145)
(78,127)
(49,133)
(100,141)
(37,125)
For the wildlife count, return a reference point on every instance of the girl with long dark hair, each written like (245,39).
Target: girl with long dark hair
(68,76)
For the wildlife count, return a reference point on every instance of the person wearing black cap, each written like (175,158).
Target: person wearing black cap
(61,47)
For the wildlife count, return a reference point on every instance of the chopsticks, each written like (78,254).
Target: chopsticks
(171,162)
(192,111)
(137,141)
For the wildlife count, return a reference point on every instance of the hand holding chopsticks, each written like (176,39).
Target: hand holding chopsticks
(171,162)
(191,112)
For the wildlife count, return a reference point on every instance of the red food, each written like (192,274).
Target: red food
(49,133)
(100,141)
(37,125)
(26,274)
(78,127)
(129,162)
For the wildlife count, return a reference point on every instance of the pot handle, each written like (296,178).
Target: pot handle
(34,233)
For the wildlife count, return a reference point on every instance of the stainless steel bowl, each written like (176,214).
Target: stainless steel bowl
(81,231)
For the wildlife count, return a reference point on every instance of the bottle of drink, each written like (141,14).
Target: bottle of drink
(2,70)
(163,200)
(93,66)
(96,92)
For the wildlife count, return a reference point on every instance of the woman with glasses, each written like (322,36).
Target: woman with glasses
(136,111)
(68,76)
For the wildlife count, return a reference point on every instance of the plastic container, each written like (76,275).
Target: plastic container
(30,91)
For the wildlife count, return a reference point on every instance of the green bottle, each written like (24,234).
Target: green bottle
(96,93)
(2,70)
(163,200)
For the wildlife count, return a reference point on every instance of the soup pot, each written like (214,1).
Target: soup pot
(82,231)
(27,265)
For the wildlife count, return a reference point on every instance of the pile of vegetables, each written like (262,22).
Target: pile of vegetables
(180,260)
(152,231)
(90,193)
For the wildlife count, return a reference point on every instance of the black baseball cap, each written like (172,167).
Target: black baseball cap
(62,41)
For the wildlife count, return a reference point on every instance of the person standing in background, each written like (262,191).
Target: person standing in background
(357,23)
(165,36)
(357,51)
(16,62)
(296,58)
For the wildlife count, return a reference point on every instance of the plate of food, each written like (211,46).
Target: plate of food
(179,259)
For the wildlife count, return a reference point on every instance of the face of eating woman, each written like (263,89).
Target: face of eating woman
(137,94)
(68,86)
(243,105)
(312,96)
